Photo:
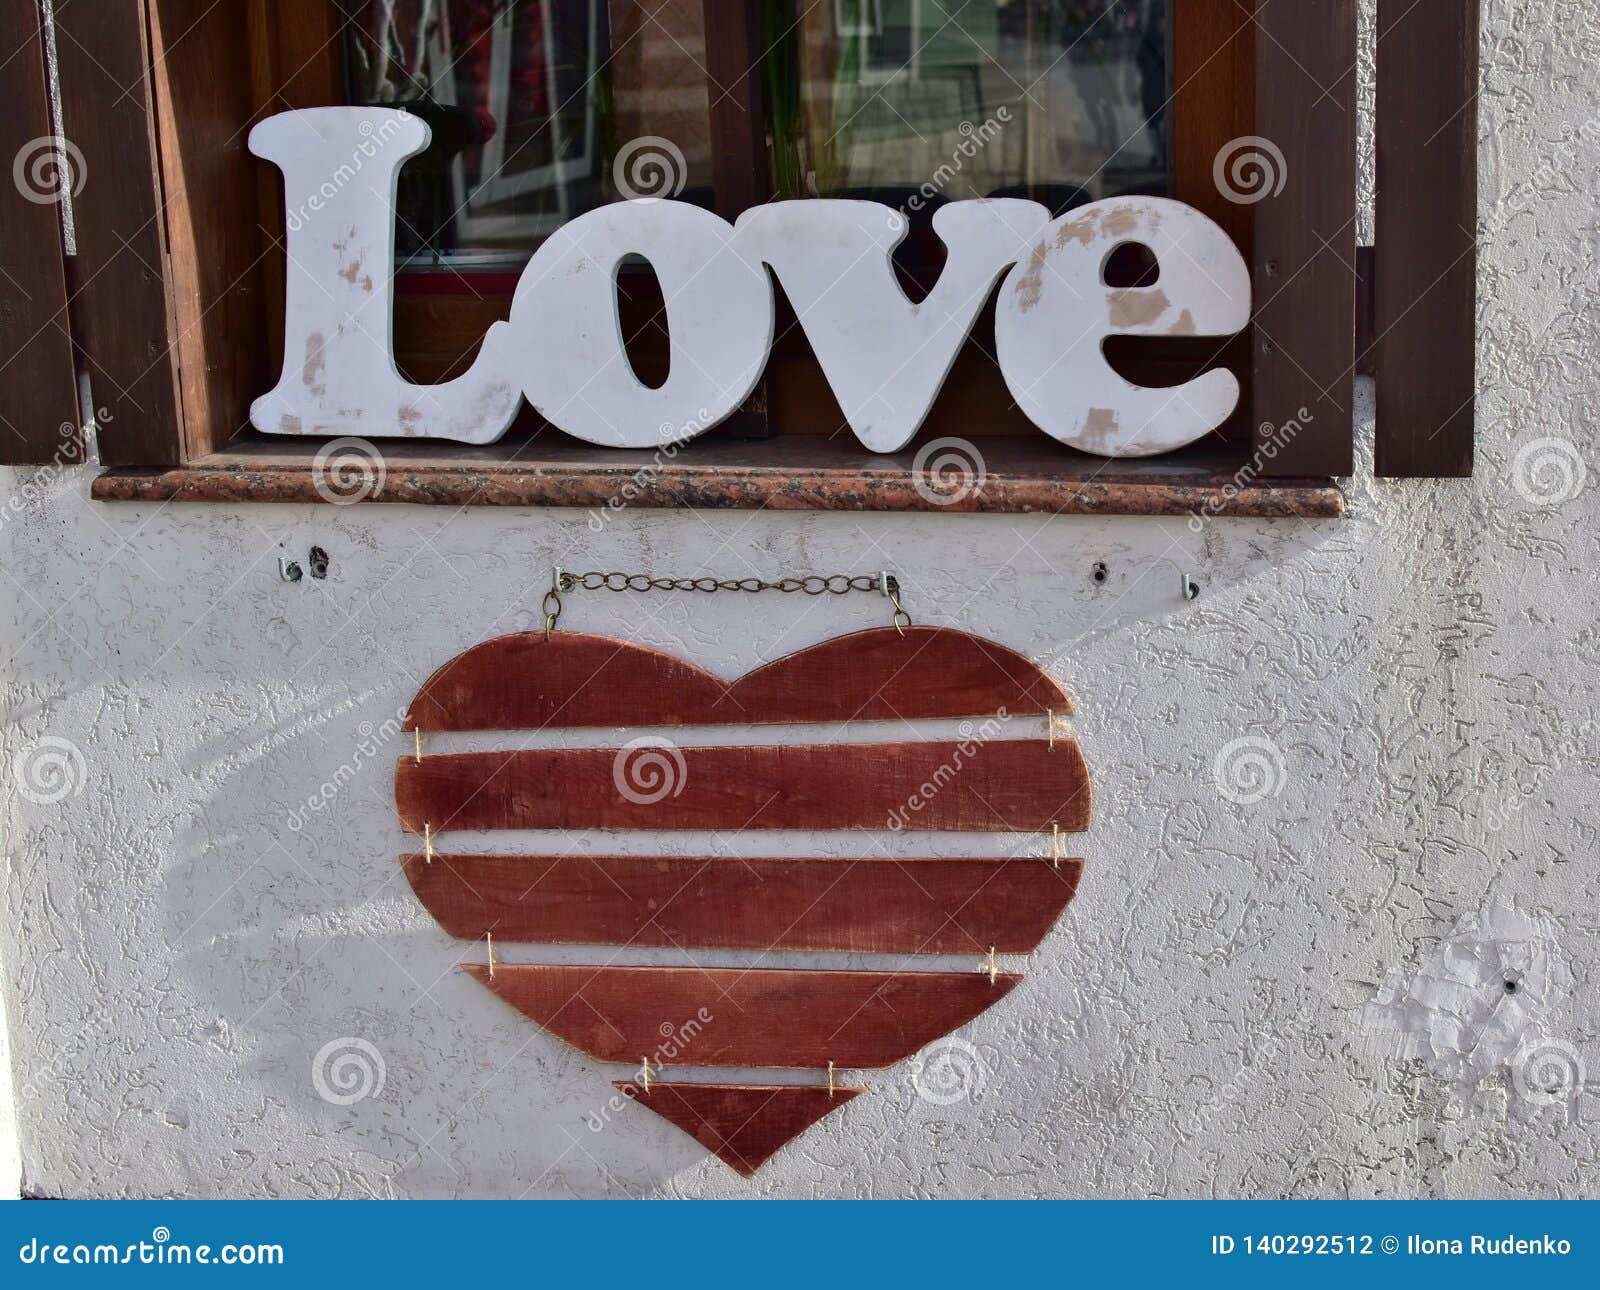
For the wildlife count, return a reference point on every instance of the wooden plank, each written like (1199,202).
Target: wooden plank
(758,1017)
(118,280)
(743,1125)
(739,165)
(1366,305)
(1305,238)
(528,682)
(204,108)
(1010,785)
(296,61)
(877,904)
(1213,103)
(1426,228)
(740,172)
(39,419)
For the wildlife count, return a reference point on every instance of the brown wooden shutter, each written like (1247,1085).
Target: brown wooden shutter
(1426,263)
(120,310)
(1305,238)
(39,419)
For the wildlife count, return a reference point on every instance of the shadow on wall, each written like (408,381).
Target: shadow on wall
(311,972)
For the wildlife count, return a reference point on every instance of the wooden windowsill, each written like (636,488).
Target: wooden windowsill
(794,472)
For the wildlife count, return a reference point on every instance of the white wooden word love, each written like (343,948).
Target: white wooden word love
(884,356)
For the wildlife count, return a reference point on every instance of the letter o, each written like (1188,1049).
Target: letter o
(568,334)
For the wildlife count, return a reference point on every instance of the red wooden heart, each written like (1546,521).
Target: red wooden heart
(747,1017)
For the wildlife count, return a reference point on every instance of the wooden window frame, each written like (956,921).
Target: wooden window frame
(175,299)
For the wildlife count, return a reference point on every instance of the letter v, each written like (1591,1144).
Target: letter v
(885,357)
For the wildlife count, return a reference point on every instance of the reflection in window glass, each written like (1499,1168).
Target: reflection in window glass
(529,102)
(544,109)
(1062,101)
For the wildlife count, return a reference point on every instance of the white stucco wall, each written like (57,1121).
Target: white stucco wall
(1247,998)
(10,1147)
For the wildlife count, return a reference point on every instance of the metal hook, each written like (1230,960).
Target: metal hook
(891,588)
(552,613)
(1189,587)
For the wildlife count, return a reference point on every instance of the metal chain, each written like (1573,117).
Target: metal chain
(815,584)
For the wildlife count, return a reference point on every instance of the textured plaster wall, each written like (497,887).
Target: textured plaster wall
(1285,971)
(10,1148)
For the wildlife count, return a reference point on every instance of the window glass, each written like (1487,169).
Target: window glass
(1062,101)
(540,110)
(544,109)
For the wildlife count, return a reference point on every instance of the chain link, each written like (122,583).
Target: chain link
(814,584)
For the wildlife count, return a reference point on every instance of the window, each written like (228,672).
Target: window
(544,109)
